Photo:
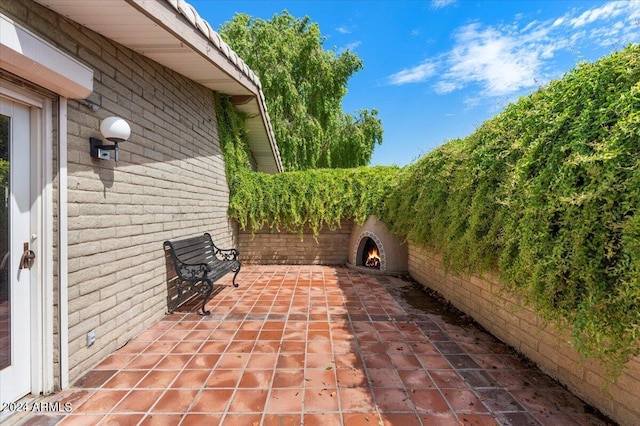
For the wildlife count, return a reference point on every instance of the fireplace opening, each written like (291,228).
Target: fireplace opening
(370,254)
(374,250)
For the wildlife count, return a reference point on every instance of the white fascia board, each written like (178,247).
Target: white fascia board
(32,58)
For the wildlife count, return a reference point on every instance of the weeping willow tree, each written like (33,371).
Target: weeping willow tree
(304,86)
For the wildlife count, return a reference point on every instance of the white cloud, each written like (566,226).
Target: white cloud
(471,102)
(416,74)
(343,30)
(609,10)
(503,60)
(441,3)
(443,87)
(350,46)
(496,61)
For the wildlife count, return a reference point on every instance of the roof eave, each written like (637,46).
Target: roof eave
(172,33)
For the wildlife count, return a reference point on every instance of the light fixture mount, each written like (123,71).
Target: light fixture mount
(114,129)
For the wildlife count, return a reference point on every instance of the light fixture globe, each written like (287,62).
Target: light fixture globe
(115,129)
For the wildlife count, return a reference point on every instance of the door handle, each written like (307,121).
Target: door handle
(28,256)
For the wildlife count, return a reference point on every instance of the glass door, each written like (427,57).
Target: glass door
(15,255)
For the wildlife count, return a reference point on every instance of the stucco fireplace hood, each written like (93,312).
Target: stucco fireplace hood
(392,251)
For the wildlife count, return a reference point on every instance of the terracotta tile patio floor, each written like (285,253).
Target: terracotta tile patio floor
(316,345)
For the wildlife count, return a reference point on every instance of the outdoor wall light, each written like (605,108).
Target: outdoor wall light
(114,129)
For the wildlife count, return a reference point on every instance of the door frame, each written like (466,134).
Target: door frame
(41,304)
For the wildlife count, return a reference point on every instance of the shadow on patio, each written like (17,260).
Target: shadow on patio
(316,345)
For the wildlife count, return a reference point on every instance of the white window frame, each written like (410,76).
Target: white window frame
(42,380)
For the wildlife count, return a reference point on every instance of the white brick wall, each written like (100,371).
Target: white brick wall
(169,183)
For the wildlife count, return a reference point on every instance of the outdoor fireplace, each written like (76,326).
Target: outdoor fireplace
(374,249)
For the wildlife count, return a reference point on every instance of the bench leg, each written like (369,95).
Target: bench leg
(176,303)
(206,288)
(235,284)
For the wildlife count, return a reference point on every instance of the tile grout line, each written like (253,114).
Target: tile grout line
(227,411)
(333,352)
(274,368)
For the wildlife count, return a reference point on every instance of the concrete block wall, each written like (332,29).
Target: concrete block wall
(331,247)
(169,183)
(504,314)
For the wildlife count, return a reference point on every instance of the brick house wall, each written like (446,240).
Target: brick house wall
(504,315)
(330,247)
(169,183)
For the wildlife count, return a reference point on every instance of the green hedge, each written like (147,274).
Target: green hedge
(547,193)
(308,199)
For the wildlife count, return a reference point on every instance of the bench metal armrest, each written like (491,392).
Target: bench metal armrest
(194,271)
(228,254)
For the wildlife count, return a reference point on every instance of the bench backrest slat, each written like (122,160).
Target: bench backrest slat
(194,250)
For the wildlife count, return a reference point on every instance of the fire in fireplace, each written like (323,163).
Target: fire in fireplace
(370,254)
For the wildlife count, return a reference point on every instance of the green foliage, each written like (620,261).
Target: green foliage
(232,131)
(304,86)
(4,151)
(4,173)
(298,200)
(548,193)
(5,169)
(308,199)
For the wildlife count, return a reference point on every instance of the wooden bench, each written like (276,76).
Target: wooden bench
(198,264)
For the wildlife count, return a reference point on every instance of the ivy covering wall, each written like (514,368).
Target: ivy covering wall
(547,193)
(309,199)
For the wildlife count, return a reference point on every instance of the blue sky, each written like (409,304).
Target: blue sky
(435,70)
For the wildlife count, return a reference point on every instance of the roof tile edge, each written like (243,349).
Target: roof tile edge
(189,12)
